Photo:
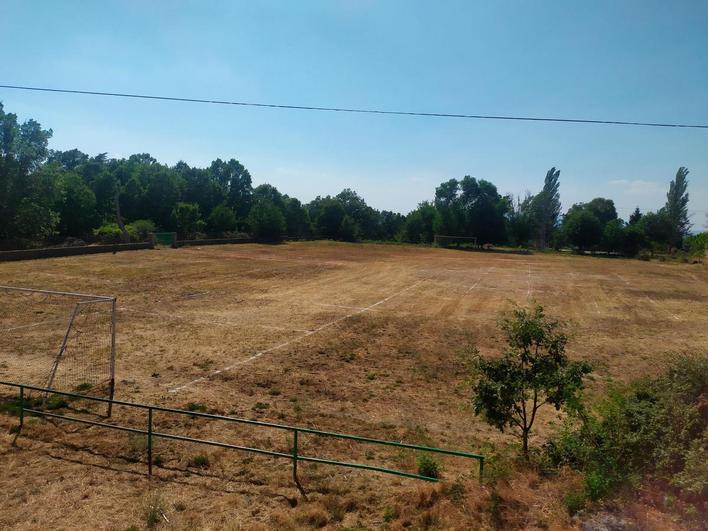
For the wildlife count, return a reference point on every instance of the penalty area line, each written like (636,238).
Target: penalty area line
(294,340)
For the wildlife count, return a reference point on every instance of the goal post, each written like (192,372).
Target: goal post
(58,340)
(442,240)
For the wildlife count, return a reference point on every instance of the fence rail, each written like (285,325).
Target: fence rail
(294,456)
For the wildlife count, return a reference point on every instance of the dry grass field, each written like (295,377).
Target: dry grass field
(364,339)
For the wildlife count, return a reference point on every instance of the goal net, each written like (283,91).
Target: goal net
(457,241)
(58,340)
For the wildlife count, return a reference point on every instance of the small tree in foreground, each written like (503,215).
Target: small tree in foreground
(534,371)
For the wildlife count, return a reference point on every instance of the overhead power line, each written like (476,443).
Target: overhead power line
(356,110)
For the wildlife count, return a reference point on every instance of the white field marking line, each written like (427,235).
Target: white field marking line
(339,306)
(480,279)
(597,306)
(657,304)
(32,325)
(528,290)
(282,328)
(622,279)
(286,343)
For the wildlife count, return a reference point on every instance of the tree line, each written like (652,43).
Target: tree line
(50,196)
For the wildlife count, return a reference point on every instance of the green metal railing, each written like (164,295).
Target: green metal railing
(294,456)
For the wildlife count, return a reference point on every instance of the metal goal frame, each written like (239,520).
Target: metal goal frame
(83,299)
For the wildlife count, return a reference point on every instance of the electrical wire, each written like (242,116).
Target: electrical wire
(355,110)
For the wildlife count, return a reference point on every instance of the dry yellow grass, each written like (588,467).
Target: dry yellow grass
(364,339)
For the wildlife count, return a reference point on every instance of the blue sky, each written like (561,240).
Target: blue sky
(627,60)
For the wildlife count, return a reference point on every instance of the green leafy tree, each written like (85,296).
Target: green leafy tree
(222,219)
(603,209)
(520,220)
(235,180)
(419,224)
(330,214)
(297,219)
(613,236)
(266,221)
(187,219)
(348,230)
(633,240)
(27,193)
(546,207)
(582,228)
(485,210)
(365,217)
(533,371)
(77,208)
(391,224)
(657,228)
(676,208)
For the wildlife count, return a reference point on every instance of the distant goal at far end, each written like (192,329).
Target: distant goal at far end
(440,240)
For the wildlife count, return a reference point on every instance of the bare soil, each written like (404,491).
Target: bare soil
(364,339)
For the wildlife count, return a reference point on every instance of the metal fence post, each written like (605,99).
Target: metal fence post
(22,414)
(481,469)
(112,381)
(22,407)
(295,453)
(149,441)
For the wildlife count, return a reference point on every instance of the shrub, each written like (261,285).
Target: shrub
(575,501)
(187,219)
(428,466)
(200,461)
(222,219)
(652,427)
(140,229)
(153,510)
(109,233)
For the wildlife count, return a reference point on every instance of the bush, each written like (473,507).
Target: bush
(222,220)
(110,233)
(140,229)
(652,427)
(187,219)
(428,466)
(575,501)
(200,461)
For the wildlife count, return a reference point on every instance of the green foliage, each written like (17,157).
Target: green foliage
(199,461)
(329,214)
(428,466)
(49,195)
(654,426)
(222,219)
(582,228)
(419,224)
(111,233)
(348,230)
(546,208)
(697,244)
(187,219)
(676,208)
(533,371)
(266,221)
(140,229)
(657,229)
(575,501)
